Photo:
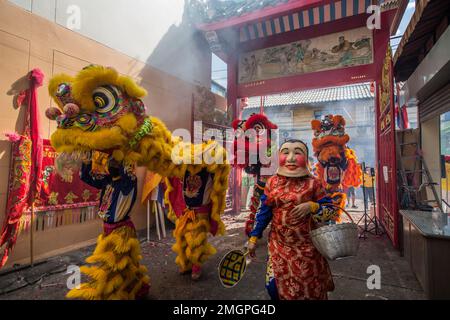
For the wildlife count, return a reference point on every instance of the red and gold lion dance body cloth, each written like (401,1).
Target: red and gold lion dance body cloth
(337,165)
(102,120)
(253,140)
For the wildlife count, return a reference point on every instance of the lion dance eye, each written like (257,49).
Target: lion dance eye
(260,128)
(86,122)
(106,99)
(63,89)
(239,133)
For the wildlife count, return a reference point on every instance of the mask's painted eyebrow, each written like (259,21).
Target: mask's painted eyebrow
(300,149)
(284,149)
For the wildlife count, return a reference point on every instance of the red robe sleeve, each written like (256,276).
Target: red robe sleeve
(267,191)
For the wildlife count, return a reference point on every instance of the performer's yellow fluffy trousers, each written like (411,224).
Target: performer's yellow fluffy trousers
(191,246)
(115,272)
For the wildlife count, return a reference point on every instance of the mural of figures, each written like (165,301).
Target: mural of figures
(333,51)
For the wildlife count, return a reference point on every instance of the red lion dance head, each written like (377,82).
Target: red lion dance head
(257,138)
(337,164)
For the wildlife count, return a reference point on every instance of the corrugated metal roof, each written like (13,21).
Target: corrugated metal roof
(427,18)
(351,92)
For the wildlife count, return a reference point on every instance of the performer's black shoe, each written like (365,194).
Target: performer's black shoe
(184,272)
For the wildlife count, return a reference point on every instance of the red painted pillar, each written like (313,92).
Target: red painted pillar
(232,100)
(387,203)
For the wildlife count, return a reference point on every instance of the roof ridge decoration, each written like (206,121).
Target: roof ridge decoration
(208,11)
(389,5)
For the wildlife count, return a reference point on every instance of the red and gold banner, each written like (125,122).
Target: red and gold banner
(62,191)
(33,178)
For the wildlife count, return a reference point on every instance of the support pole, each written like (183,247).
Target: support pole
(374,204)
(364,216)
(157,219)
(32,234)
(148,220)
(161,219)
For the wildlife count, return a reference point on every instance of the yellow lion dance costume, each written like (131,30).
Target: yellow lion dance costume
(196,205)
(102,120)
(337,165)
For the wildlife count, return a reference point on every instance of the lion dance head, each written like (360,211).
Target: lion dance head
(253,138)
(337,164)
(100,110)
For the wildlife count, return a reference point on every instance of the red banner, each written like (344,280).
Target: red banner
(33,175)
(62,191)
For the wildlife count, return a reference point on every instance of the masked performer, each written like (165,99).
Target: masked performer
(101,112)
(116,273)
(293,202)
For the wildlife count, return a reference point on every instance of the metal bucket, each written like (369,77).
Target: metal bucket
(336,241)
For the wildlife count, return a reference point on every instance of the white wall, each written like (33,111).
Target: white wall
(152,31)
(431,150)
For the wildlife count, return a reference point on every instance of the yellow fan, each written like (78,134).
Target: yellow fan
(232,268)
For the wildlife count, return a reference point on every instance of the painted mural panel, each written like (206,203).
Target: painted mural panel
(329,52)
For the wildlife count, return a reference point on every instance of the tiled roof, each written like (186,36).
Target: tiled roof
(351,92)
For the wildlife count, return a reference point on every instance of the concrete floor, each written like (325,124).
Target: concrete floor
(47,281)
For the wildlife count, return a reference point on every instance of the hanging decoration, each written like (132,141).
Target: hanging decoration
(64,190)
(25,170)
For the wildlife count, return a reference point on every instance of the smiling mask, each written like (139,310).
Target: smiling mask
(293,159)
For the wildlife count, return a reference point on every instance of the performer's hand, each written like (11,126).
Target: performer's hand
(302,210)
(86,157)
(251,247)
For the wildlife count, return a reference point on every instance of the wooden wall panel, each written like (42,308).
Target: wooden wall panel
(14,53)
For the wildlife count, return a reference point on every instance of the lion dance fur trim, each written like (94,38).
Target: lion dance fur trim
(191,244)
(116,273)
(191,229)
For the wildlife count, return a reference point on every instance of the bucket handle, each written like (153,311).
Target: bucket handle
(337,207)
(345,211)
